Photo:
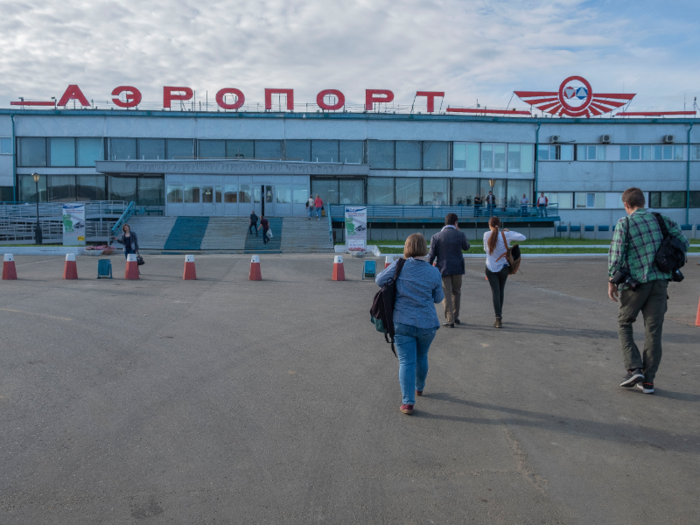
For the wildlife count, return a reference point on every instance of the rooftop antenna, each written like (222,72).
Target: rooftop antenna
(414,101)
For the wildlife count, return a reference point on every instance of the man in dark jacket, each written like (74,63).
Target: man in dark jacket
(253,223)
(447,246)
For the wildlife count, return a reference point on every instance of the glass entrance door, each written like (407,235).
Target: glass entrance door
(268,200)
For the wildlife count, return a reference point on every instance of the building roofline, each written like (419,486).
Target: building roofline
(340,116)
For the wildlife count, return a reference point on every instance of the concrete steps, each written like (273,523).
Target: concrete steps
(226,233)
(304,235)
(153,232)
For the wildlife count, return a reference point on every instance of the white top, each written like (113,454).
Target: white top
(524,200)
(491,263)
(542,200)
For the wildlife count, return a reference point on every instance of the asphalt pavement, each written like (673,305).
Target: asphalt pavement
(222,400)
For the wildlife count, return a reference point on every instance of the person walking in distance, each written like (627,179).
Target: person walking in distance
(447,246)
(318,204)
(542,203)
(477,205)
(418,289)
(632,252)
(310,206)
(253,227)
(265,225)
(497,263)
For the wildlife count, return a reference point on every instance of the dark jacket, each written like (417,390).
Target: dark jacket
(447,246)
(134,241)
(253,219)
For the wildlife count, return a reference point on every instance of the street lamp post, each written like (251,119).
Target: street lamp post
(37,232)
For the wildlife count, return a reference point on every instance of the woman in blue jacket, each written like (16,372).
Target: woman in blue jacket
(418,288)
(129,240)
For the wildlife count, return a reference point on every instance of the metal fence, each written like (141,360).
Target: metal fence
(483,212)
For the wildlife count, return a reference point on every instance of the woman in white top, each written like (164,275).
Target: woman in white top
(497,263)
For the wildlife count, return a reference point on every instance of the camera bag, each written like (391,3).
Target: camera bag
(512,255)
(671,256)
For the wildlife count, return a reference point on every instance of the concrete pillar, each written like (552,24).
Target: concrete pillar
(695,231)
(568,230)
(595,232)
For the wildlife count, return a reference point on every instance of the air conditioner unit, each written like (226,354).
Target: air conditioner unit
(605,139)
(668,139)
(554,139)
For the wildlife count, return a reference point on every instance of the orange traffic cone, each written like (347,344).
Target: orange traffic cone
(132,267)
(9,272)
(190,274)
(70,270)
(255,274)
(338,269)
(697,319)
(388,260)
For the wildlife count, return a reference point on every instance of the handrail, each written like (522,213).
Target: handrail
(128,212)
(464,212)
(330,225)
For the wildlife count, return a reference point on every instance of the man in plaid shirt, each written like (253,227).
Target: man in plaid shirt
(637,250)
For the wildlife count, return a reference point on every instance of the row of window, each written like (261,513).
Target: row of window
(380,154)
(236,193)
(613,200)
(419,191)
(145,191)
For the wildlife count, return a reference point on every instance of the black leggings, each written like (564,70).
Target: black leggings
(497,281)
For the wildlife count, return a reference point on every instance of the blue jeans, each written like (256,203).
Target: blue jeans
(318,212)
(412,345)
(310,211)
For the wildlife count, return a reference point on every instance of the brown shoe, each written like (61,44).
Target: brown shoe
(407,409)
(419,392)
(497,324)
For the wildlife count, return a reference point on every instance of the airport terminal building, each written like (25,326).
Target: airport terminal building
(215,163)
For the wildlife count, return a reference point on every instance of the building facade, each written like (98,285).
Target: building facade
(215,163)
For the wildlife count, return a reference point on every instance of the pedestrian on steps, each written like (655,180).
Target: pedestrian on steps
(318,204)
(497,264)
(310,206)
(253,224)
(265,225)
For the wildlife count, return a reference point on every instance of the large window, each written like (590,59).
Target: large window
(599,200)
(89,150)
(695,152)
(493,157)
(324,151)
(32,152)
(62,152)
(268,149)
(327,189)
(516,190)
(245,149)
(555,152)
(521,158)
(90,188)
(585,152)
(61,188)
(151,191)
(499,190)
(564,200)
(122,188)
(27,189)
(351,191)
(408,155)
(211,149)
(151,149)
(380,190)
(436,155)
(180,148)
(464,191)
(408,191)
(299,150)
(466,156)
(175,193)
(352,151)
(648,152)
(122,149)
(668,199)
(381,154)
(436,192)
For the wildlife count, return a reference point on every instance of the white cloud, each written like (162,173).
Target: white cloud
(469,49)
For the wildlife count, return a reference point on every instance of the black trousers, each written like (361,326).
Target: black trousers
(497,281)
(254,228)
(265,239)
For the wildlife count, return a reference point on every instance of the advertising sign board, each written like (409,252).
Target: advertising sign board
(356,229)
(74,224)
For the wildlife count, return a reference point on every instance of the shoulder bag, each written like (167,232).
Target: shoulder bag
(512,255)
(382,311)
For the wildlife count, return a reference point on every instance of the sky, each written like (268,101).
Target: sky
(470,49)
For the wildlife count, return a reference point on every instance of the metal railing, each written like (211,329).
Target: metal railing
(482,212)
(128,212)
(93,209)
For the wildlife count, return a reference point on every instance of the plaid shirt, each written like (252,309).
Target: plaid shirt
(644,240)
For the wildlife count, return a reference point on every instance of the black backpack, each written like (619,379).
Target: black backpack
(382,311)
(671,256)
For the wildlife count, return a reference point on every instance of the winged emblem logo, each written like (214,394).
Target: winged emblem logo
(575,98)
